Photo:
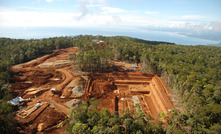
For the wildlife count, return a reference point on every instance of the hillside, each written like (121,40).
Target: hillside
(192,73)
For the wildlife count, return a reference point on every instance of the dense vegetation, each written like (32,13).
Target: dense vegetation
(194,75)
(87,119)
(192,72)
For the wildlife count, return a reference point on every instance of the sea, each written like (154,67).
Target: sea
(47,32)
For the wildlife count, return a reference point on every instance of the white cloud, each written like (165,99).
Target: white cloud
(13,18)
(202,27)
(94,5)
(83,10)
(84,6)
(192,17)
(22,18)
(110,10)
(31,8)
(111,17)
(95,1)
(116,19)
(216,26)
(49,0)
(152,13)
(35,19)
(92,2)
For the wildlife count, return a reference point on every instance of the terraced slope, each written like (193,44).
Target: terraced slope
(121,90)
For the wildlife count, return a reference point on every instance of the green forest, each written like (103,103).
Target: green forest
(87,119)
(193,74)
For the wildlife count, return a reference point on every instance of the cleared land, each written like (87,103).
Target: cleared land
(121,90)
(117,90)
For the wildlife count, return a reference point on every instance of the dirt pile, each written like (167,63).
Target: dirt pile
(75,88)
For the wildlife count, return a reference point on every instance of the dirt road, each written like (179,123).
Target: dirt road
(117,91)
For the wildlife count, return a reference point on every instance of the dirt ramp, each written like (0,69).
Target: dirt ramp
(67,76)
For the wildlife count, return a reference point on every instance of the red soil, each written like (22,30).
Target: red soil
(29,75)
(115,90)
(149,88)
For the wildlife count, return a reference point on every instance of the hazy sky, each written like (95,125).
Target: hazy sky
(199,18)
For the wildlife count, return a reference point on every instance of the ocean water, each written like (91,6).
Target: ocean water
(46,32)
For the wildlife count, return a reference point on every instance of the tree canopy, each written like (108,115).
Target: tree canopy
(193,74)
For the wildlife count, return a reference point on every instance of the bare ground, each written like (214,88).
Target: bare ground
(117,91)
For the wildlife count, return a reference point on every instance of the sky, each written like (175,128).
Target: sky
(194,18)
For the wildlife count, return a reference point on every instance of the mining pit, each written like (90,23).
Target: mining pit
(117,90)
(121,90)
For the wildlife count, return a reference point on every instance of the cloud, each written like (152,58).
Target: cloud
(90,6)
(93,2)
(84,4)
(49,0)
(113,16)
(4,9)
(152,13)
(216,26)
(94,5)
(31,8)
(116,19)
(8,18)
(106,17)
(113,10)
(83,9)
(192,17)
(35,19)
(97,1)
(202,27)
(110,10)
(206,30)
(196,27)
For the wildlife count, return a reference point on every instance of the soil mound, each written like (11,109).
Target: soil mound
(79,81)
(75,88)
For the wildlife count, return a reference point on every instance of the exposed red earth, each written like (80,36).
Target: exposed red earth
(117,90)
(121,90)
